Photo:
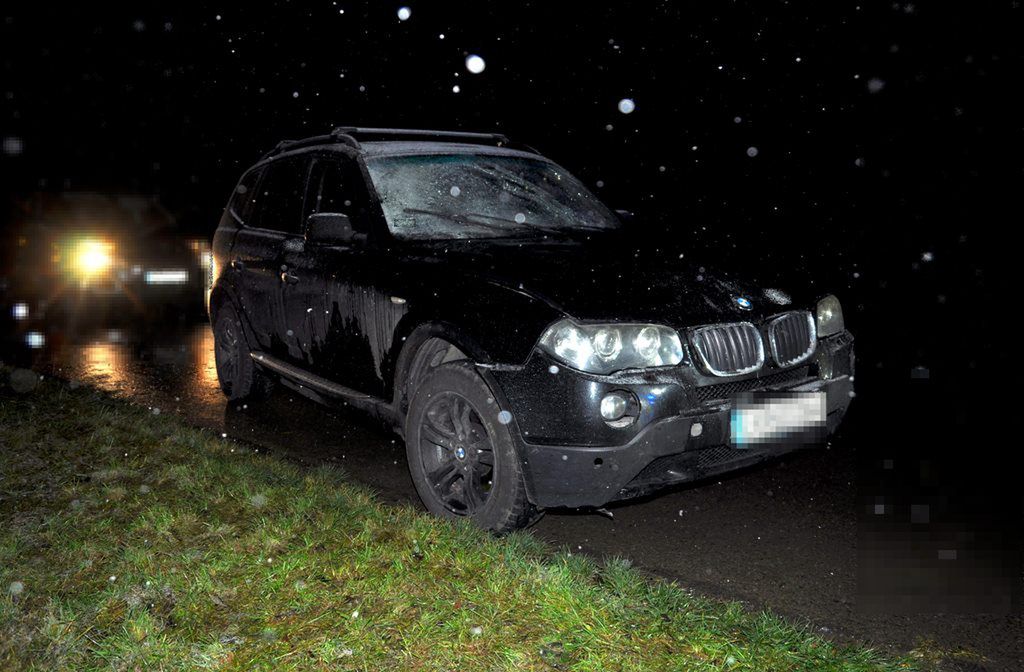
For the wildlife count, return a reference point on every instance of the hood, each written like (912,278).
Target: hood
(592,285)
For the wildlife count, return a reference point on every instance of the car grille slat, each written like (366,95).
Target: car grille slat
(793,337)
(729,349)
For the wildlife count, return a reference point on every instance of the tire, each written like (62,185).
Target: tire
(452,431)
(239,376)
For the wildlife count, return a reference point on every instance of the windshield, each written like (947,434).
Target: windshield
(443,197)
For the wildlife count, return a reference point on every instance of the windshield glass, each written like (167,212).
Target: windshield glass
(443,197)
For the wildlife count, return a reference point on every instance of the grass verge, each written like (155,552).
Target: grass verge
(129,540)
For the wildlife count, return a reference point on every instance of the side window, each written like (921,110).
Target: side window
(244,199)
(336,185)
(281,195)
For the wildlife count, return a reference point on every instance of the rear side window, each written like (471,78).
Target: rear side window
(281,195)
(244,199)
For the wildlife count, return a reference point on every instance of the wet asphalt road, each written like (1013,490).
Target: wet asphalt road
(783,536)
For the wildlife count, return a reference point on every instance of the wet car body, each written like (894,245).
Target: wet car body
(363,323)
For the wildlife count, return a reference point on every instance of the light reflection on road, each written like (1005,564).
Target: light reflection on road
(172,369)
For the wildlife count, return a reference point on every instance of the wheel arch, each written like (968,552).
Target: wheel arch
(424,345)
(221,296)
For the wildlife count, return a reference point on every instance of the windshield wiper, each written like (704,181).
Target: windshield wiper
(454,217)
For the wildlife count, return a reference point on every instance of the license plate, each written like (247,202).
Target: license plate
(778,418)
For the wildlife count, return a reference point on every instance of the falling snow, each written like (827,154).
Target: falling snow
(475,64)
(13,146)
(626,105)
(404,13)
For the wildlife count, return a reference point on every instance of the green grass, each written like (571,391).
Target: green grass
(130,540)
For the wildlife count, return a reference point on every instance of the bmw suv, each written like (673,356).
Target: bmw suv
(482,301)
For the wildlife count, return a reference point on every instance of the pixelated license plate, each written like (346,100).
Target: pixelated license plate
(777,418)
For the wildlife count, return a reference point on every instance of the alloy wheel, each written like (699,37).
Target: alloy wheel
(457,453)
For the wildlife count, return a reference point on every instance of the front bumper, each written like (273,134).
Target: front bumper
(573,458)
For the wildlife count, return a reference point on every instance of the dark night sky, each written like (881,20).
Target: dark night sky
(885,133)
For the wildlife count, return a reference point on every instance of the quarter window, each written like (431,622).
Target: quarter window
(244,199)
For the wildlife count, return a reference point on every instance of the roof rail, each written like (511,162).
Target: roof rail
(350,135)
(364,133)
(335,136)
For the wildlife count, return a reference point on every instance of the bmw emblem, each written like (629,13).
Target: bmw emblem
(743,302)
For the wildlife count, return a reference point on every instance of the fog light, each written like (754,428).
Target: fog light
(614,406)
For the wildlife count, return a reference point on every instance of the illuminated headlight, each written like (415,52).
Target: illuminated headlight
(176,276)
(19,311)
(93,257)
(604,348)
(829,317)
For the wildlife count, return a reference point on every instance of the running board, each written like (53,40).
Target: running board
(308,379)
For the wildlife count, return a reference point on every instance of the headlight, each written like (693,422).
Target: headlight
(604,348)
(92,257)
(829,317)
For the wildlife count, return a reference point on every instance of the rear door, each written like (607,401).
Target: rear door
(274,228)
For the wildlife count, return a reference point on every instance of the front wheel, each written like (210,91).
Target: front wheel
(461,456)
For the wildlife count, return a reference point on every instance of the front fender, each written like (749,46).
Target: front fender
(491,324)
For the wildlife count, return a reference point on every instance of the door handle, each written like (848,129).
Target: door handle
(238,264)
(288,278)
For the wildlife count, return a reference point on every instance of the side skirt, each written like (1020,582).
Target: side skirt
(323,390)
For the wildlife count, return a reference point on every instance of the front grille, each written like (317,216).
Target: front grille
(792,337)
(729,349)
(734,387)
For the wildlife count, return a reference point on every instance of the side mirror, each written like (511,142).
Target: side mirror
(329,227)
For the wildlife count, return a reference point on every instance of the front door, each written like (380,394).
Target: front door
(342,317)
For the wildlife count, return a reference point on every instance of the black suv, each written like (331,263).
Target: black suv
(477,297)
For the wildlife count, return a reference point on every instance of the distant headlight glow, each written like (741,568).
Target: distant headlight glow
(605,348)
(92,257)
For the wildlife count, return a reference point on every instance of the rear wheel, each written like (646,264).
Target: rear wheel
(238,374)
(461,456)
